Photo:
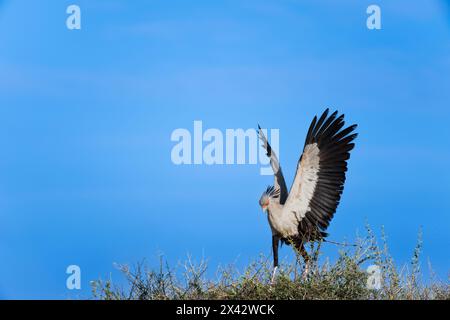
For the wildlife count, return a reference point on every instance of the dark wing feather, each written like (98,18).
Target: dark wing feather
(279,182)
(320,176)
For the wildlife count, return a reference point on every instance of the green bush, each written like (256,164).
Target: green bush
(345,278)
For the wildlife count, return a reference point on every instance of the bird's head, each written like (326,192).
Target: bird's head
(268,195)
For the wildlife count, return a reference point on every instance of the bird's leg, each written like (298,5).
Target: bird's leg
(295,267)
(300,248)
(306,258)
(274,273)
(275,241)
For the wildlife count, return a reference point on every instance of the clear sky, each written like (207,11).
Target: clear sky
(86,116)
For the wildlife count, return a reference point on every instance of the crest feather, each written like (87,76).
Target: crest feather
(272,192)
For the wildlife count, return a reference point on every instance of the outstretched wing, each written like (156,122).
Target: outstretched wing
(319,180)
(279,183)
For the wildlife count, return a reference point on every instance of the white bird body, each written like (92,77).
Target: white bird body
(281,221)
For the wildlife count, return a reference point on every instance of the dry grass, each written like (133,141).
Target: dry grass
(345,278)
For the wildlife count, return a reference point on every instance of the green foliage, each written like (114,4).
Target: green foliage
(345,278)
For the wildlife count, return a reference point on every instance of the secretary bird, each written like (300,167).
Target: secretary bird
(303,214)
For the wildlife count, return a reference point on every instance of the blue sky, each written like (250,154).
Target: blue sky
(86,117)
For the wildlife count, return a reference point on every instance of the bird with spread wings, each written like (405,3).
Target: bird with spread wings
(304,213)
